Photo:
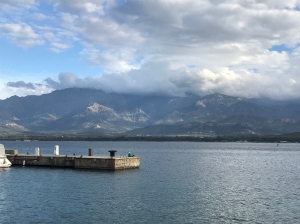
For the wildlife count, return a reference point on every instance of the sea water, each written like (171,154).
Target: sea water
(177,182)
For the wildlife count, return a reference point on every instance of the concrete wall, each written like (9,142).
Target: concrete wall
(87,162)
(114,163)
(12,152)
(127,163)
(95,163)
(32,160)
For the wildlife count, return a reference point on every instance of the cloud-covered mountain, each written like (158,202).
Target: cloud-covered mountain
(76,110)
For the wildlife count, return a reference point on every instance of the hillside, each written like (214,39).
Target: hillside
(78,110)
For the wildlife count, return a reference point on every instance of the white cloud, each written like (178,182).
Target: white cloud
(158,77)
(22,35)
(116,61)
(38,16)
(68,19)
(8,4)
(58,47)
(14,11)
(82,6)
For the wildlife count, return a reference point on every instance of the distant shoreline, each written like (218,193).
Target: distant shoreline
(286,138)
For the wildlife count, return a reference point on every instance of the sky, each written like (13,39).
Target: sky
(244,48)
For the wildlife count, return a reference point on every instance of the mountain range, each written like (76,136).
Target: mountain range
(91,111)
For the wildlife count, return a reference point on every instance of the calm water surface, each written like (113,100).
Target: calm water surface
(176,183)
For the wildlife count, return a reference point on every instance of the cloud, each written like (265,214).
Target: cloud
(168,46)
(21,88)
(69,80)
(58,47)
(21,84)
(117,61)
(160,78)
(82,7)
(22,35)
(9,4)
(38,16)
(51,83)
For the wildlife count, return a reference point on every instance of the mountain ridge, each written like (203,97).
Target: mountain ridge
(78,110)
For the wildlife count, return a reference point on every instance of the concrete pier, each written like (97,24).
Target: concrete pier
(77,162)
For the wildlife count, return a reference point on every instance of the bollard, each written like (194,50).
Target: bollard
(56,150)
(112,153)
(37,151)
(91,153)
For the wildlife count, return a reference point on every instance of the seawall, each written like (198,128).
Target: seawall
(77,162)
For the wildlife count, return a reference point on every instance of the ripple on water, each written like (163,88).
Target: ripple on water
(176,183)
